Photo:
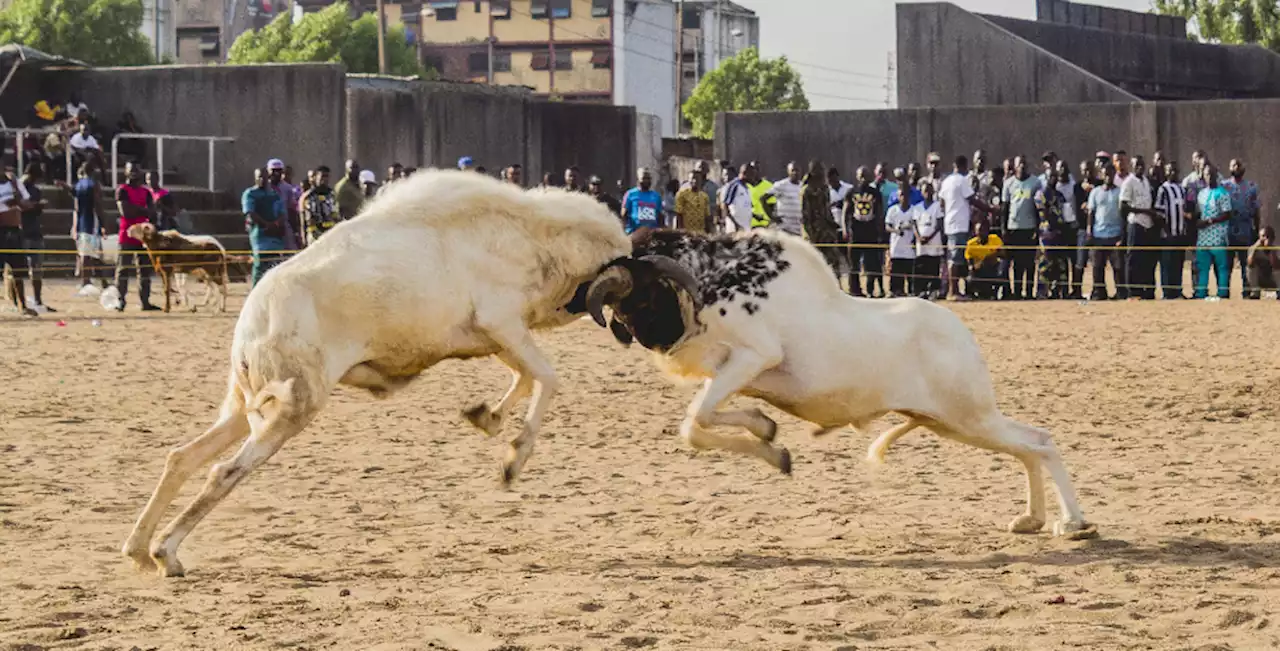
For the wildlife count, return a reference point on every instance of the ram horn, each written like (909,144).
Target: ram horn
(612,284)
(676,272)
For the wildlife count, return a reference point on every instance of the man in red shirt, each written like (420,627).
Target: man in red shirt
(136,206)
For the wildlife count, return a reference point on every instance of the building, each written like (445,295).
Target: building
(618,51)
(1072,53)
(159,28)
(711,31)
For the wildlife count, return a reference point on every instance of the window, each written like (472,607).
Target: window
(692,19)
(447,13)
(601,59)
(538,8)
(478,62)
(561,8)
(540,61)
(478,4)
(601,8)
(564,59)
(502,62)
(500,9)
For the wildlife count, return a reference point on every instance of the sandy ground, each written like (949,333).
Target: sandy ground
(382,527)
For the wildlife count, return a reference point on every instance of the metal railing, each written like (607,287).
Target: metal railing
(160,138)
(22,138)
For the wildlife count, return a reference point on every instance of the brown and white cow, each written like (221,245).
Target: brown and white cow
(197,256)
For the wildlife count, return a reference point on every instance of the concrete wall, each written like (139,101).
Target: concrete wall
(1120,20)
(1155,67)
(950,57)
(291,112)
(1226,129)
(432,124)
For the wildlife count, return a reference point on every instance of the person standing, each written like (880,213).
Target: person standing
(1074,225)
(711,189)
(290,195)
(13,200)
(595,188)
(928,222)
(862,221)
(1020,226)
(514,174)
(317,207)
(1143,231)
(133,201)
(1053,233)
(162,199)
(900,224)
(1106,231)
(1243,229)
(642,205)
(1175,232)
(573,179)
(815,201)
(368,184)
(786,211)
(348,197)
(1263,262)
(265,211)
(958,201)
(33,235)
(839,190)
(1213,206)
(693,212)
(738,206)
(86,227)
(761,206)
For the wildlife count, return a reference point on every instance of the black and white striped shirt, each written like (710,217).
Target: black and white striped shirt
(1171,200)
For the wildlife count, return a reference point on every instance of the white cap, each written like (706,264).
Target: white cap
(275,164)
(366,176)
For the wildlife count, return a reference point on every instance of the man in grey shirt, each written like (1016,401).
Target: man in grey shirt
(1019,199)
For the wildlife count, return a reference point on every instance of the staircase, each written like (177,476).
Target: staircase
(212,213)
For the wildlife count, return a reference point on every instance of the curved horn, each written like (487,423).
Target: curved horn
(614,283)
(676,272)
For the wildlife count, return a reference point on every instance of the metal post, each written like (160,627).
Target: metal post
(679,39)
(211,166)
(551,44)
(17,150)
(115,161)
(160,159)
(66,151)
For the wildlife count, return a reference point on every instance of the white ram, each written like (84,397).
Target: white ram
(769,321)
(444,265)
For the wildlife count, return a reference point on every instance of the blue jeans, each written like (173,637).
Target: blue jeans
(1220,260)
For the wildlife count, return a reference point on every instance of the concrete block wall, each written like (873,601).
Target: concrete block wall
(1226,129)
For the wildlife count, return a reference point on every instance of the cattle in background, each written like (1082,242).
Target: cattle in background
(185,256)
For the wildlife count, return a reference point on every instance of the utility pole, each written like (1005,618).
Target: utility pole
(382,40)
(490,77)
(679,39)
(551,47)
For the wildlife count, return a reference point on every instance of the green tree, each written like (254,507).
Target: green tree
(328,35)
(98,32)
(1229,21)
(744,83)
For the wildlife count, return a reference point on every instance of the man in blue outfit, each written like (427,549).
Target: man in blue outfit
(641,205)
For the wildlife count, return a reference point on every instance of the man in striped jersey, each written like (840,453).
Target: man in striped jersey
(1171,202)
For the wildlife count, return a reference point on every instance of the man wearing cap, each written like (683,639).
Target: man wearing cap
(289,194)
(935,175)
(368,183)
(266,215)
(347,195)
(595,188)
(465,163)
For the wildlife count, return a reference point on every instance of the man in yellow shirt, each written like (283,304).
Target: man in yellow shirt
(983,253)
(760,204)
(693,207)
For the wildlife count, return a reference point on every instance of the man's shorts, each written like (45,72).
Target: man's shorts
(955,247)
(88,245)
(35,260)
(11,240)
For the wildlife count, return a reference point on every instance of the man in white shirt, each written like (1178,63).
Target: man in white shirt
(958,201)
(1175,231)
(899,222)
(1136,207)
(839,190)
(737,201)
(84,147)
(786,213)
